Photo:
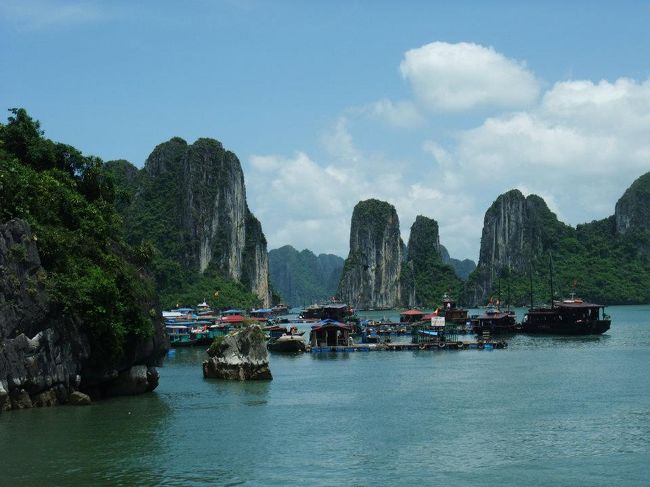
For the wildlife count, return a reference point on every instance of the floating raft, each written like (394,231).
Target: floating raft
(394,347)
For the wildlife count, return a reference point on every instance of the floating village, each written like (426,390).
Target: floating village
(337,327)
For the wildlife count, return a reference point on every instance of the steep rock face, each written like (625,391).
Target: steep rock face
(241,355)
(303,278)
(516,229)
(371,274)
(191,201)
(42,359)
(633,208)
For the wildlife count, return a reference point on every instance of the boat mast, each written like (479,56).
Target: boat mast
(550,267)
(508,297)
(530,278)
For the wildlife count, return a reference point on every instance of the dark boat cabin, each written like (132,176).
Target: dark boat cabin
(411,316)
(330,333)
(451,312)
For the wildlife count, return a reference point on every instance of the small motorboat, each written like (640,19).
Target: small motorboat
(287,344)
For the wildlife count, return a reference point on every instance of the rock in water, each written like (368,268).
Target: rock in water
(241,355)
(79,399)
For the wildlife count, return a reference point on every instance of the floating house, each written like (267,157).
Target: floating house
(411,316)
(233,319)
(330,333)
(330,311)
(261,313)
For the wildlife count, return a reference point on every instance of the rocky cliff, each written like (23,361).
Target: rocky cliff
(371,274)
(633,208)
(190,201)
(45,357)
(302,278)
(425,277)
(516,230)
(607,261)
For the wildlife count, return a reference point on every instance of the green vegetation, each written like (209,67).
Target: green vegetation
(93,276)
(373,214)
(424,270)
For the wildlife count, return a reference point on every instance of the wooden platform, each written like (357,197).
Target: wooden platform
(395,347)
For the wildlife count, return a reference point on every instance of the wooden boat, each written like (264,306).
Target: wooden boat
(567,317)
(494,321)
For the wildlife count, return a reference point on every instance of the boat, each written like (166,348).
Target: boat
(567,317)
(280,309)
(571,316)
(494,321)
(452,313)
(287,344)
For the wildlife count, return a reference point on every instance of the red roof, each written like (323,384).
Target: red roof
(233,319)
(412,312)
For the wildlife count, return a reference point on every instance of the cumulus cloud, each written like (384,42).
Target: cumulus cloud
(463,76)
(579,148)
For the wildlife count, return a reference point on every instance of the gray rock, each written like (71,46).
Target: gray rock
(215,226)
(49,365)
(242,355)
(515,228)
(45,399)
(20,399)
(133,381)
(633,208)
(80,399)
(5,403)
(371,274)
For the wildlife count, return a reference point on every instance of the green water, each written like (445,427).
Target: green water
(546,411)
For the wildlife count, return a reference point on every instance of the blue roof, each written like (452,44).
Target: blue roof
(262,310)
(233,312)
(428,332)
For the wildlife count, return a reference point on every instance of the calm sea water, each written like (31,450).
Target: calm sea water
(546,411)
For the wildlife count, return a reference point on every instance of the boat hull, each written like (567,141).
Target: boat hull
(596,327)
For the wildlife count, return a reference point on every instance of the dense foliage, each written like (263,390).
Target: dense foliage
(303,278)
(93,277)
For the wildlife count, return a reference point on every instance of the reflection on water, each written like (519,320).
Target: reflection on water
(547,411)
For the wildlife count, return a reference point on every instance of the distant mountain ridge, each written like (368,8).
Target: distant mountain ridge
(302,278)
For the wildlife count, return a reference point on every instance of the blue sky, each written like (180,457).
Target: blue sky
(436,108)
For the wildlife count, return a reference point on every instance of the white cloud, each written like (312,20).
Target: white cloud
(579,148)
(402,114)
(309,204)
(463,76)
(37,14)
(579,145)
